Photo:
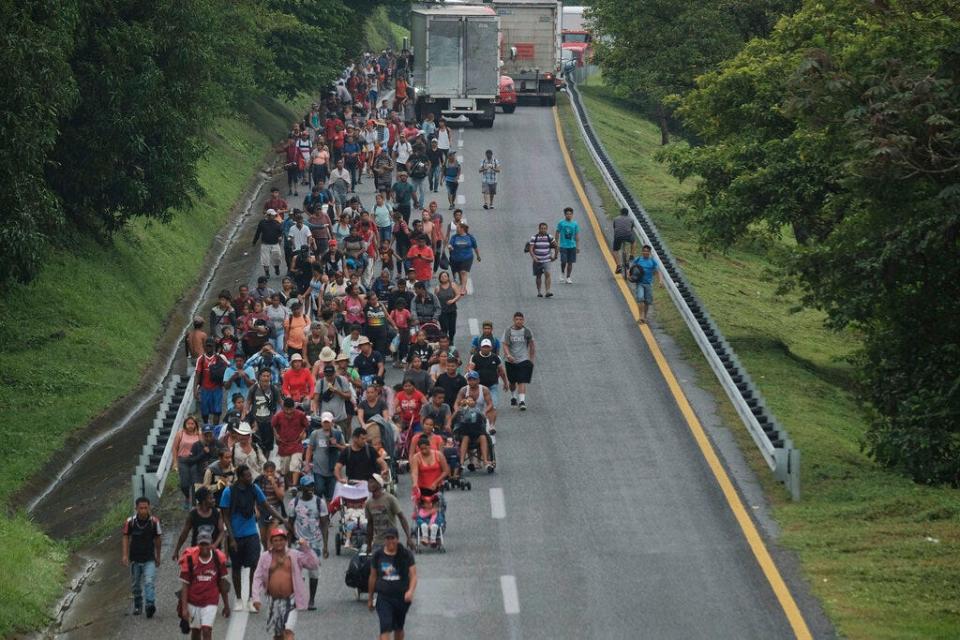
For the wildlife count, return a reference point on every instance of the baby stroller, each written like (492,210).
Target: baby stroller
(348,505)
(433,331)
(429,521)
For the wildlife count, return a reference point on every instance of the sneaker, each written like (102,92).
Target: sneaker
(619,269)
(151,609)
(513,402)
(523,406)
(539,295)
(251,608)
(492,207)
(492,431)
(569,280)
(137,609)
(486,206)
(549,294)
(489,468)
(238,605)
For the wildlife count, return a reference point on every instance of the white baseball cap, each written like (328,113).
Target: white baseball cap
(326,416)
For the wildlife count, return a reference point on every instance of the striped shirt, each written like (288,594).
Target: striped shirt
(541,245)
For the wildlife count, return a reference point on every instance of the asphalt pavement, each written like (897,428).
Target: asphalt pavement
(602,519)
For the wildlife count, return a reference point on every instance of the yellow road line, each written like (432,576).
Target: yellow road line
(757,546)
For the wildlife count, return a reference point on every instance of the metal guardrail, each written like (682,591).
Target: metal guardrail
(767,433)
(157,455)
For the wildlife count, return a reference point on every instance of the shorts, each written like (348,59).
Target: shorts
(392,611)
(568,256)
(519,372)
(488,188)
(202,616)
(645,293)
(247,553)
(456,266)
(452,186)
(386,233)
(540,268)
(619,242)
(211,401)
(290,464)
(271,255)
(471,431)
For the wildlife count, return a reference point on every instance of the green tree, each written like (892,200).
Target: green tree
(148,76)
(652,50)
(39,89)
(844,126)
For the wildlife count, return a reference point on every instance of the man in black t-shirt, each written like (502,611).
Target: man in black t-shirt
(490,367)
(393,578)
(358,461)
(368,363)
(141,552)
(451,381)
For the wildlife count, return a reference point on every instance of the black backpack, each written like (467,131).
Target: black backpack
(216,370)
(635,274)
(419,169)
(358,573)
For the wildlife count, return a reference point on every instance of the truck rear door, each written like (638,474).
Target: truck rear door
(443,63)
(481,58)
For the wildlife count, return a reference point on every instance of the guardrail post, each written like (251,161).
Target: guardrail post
(793,473)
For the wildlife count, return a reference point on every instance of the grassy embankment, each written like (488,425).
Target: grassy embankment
(380,33)
(78,337)
(881,552)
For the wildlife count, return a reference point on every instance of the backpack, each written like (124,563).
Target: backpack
(635,274)
(216,370)
(358,573)
(419,169)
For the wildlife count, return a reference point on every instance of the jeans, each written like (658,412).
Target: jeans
(645,292)
(418,185)
(143,574)
(435,177)
(277,341)
(386,234)
(494,394)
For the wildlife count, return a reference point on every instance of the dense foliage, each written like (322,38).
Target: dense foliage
(652,50)
(842,128)
(107,102)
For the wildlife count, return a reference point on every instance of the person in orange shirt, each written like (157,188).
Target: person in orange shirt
(296,328)
(298,382)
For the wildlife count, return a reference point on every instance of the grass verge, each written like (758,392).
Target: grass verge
(380,33)
(880,552)
(78,338)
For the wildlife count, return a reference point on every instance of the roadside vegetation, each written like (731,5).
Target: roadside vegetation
(79,336)
(880,551)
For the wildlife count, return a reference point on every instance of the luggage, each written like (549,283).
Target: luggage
(358,572)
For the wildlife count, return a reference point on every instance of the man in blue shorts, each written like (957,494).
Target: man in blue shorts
(568,234)
(238,504)
(642,270)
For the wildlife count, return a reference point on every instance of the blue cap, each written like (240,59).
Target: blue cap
(306,481)
(209,428)
(473,375)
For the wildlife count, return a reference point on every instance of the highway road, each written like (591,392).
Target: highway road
(603,519)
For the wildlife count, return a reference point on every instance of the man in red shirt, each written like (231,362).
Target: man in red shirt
(298,381)
(203,572)
(209,376)
(292,165)
(421,258)
(289,431)
(276,203)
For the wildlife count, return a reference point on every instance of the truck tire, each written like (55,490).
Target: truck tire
(509,108)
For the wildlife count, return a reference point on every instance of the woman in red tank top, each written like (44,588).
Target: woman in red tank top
(428,468)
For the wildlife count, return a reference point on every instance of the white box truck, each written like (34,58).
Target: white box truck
(530,49)
(456,61)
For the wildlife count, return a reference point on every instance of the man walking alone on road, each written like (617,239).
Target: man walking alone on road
(393,578)
(141,552)
(489,169)
(641,273)
(543,250)
(520,350)
(568,232)
(270,233)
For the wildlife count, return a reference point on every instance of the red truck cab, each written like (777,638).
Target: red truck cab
(507,98)
(580,43)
